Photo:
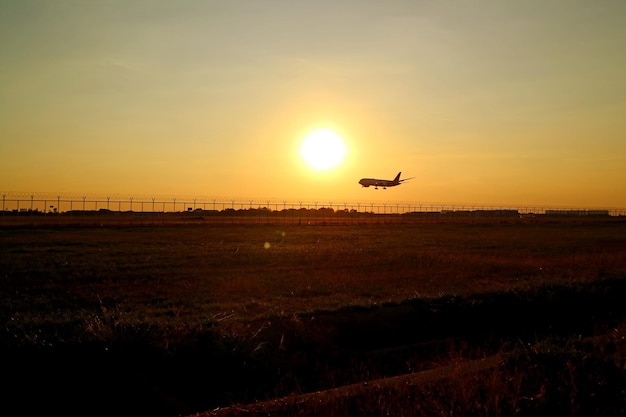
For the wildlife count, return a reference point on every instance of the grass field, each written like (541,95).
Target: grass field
(159,318)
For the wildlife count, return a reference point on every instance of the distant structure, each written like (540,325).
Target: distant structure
(577,212)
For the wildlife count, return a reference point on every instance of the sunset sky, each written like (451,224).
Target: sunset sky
(484,102)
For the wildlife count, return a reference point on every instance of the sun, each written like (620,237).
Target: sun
(323,149)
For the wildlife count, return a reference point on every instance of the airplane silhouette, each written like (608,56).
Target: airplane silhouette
(366,182)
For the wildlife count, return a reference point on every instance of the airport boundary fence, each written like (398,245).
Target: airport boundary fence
(39,204)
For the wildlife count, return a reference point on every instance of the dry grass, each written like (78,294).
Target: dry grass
(241,299)
(555,377)
(224,274)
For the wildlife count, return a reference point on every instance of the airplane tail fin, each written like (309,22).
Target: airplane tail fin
(397,178)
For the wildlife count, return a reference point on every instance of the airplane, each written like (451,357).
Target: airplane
(366,182)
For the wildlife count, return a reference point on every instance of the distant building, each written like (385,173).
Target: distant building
(577,212)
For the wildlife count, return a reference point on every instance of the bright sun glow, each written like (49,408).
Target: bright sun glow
(323,149)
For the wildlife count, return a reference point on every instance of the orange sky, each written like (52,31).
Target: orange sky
(484,102)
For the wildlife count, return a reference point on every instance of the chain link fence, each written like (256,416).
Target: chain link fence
(23,203)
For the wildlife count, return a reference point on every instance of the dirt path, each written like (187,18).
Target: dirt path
(379,386)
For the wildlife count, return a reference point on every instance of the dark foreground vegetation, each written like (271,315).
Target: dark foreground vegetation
(168,320)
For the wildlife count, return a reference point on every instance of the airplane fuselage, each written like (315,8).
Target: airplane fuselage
(368,182)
